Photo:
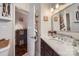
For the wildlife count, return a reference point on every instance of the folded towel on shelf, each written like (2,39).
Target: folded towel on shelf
(4,43)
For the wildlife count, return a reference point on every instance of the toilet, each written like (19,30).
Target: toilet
(5,51)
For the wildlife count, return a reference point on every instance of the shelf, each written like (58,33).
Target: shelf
(2,18)
(76,22)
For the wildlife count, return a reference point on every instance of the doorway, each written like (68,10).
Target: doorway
(20,32)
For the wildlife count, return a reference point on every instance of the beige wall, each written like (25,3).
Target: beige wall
(45,25)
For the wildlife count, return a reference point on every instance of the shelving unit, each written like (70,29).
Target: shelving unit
(2,18)
(5,15)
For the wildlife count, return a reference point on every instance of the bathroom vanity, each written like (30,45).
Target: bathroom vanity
(66,24)
(46,50)
(60,45)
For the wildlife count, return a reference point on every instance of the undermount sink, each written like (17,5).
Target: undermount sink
(64,40)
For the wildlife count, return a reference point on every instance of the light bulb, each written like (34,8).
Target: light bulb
(57,6)
(52,9)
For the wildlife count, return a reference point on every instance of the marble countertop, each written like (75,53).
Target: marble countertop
(62,48)
(73,34)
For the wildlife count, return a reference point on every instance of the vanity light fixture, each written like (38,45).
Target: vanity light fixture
(57,5)
(52,9)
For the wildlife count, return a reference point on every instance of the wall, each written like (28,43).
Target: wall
(56,26)
(45,25)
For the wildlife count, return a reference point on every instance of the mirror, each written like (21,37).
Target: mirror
(67,19)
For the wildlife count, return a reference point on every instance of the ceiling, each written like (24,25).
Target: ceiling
(54,4)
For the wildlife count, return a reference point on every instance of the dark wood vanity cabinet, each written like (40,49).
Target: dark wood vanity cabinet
(42,48)
(46,50)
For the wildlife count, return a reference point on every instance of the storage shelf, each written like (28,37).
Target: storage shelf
(2,18)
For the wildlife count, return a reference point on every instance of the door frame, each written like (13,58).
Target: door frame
(25,13)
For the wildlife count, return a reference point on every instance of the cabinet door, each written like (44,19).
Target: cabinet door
(47,50)
(42,48)
(55,54)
